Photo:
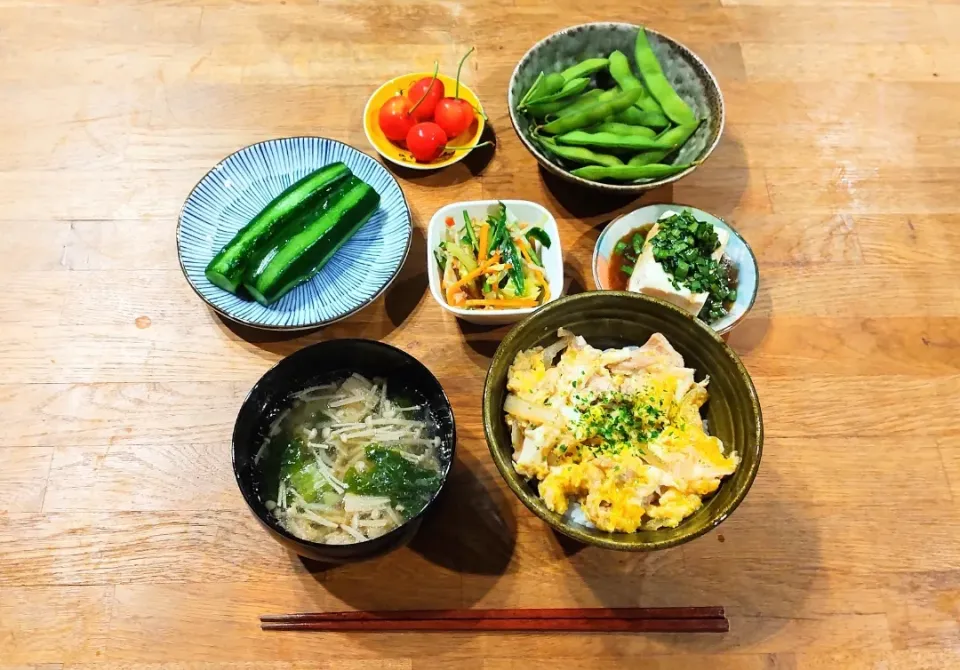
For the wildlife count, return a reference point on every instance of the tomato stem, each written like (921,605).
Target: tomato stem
(456,91)
(473,146)
(436,69)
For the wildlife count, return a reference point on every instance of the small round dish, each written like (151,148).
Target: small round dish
(687,73)
(616,319)
(238,187)
(738,251)
(400,156)
(314,365)
(523,210)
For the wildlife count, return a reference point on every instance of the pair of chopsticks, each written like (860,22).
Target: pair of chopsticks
(575,620)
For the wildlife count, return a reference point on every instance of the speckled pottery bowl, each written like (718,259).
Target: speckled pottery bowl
(617,319)
(688,75)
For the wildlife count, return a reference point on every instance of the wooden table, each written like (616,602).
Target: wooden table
(124,542)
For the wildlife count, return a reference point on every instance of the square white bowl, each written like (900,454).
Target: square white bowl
(525,211)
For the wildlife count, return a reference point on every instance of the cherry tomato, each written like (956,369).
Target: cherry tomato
(454,115)
(428,96)
(395,119)
(426,141)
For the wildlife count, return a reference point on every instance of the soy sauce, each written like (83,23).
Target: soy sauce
(617,278)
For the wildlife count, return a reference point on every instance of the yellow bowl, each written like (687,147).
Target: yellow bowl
(398,154)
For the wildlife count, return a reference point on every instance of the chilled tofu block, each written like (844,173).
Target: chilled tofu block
(650,278)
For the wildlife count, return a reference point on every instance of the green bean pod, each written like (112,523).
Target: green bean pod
(630,172)
(595,113)
(671,103)
(572,87)
(580,155)
(584,68)
(623,129)
(582,138)
(620,70)
(677,136)
(636,117)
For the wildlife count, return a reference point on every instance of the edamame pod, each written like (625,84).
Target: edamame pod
(542,110)
(580,155)
(532,91)
(637,117)
(676,136)
(584,68)
(673,105)
(620,70)
(623,129)
(543,88)
(572,87)
(630,172)
(595,113)
(588,99)
(611,141)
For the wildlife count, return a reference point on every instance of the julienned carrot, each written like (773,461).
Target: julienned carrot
(506,303)
(521,244)
(484,233)
(470,276)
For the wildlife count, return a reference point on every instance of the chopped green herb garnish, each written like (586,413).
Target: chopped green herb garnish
(614,422)
(684,247)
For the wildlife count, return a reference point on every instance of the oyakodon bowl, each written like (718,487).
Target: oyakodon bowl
(686,72)
(617,319)
(317,364)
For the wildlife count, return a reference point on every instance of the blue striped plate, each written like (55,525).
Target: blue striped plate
(237,188)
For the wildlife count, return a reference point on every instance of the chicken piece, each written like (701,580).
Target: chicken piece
(600,383)
(531,460)
(672,508)
(656,355)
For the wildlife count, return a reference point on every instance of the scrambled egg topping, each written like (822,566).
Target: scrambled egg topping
(617,433)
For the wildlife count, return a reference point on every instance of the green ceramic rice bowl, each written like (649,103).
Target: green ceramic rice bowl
(687,73)
(616,319)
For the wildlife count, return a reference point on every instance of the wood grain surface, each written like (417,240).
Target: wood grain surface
(124,543)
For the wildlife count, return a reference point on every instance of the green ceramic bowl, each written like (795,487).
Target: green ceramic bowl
(617,319)
(690,77)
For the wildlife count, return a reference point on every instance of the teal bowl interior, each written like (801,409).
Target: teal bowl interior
(616,319)
(689,75)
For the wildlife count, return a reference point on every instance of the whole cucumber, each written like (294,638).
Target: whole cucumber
(300,251)
(228,266)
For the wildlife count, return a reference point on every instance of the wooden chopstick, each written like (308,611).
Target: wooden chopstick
(629,620)
(554,625)
(561,613)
